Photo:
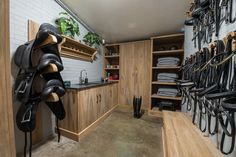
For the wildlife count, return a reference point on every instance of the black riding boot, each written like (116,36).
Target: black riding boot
(135,106)
(138,108)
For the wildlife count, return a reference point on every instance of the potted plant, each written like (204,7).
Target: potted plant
(67,25)
(92,39)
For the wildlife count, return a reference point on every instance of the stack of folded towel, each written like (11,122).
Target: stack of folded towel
(167,91)
(167,77)
(168,61)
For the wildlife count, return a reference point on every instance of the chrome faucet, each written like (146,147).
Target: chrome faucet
(81,78)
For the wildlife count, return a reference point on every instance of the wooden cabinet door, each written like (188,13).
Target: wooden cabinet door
(114,95)
(105,97)
(126,73)
(109,97)
(87,110)
(135,68)
(101,101)
(70,101)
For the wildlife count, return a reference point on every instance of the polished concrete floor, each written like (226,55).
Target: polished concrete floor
(120,135)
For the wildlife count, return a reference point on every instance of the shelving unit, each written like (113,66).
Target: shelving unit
(166,67)
(76,50)
(164,83)
(164,46)
(112,62)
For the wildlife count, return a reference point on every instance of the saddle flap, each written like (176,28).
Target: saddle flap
(22,57)
(26,116)
(57,108)
(50,62)
(52,87)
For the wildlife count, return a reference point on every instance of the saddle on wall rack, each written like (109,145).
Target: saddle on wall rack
(39,79)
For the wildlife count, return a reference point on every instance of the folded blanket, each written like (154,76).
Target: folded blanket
(165,61)
(172,75)
(167,77)
(167,89)
(167,92)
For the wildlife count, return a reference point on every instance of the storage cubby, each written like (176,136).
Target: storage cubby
(164,47)
(112,62)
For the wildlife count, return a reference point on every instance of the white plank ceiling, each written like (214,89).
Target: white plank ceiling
(126,20)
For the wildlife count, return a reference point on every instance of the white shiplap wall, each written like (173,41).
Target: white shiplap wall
(42,11)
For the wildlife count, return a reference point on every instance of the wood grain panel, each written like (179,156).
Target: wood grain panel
(37,134)
(183,139)
(126,92)
(114,94)
(87,108)
(33,28)
(135,72)
(7,144)
(88,111)
(142,68)
(101,100)
(71,107)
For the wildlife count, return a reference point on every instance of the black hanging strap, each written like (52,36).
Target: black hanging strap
(30,149)
(58,131)
(25,147)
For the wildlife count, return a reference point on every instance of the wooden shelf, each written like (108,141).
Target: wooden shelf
(111,45)
(166,97)
(112,68)
(113,80)
(76,50)
(115,56)
(167,67)
(168,36)
(168,52)
(164,83)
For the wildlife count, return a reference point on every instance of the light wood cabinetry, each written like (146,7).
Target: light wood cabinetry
(135,68)
(85,109)
(115,93)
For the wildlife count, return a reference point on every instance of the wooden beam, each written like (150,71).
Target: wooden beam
(7,144)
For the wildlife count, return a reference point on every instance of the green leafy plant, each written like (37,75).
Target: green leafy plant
(92,39)
(67,25)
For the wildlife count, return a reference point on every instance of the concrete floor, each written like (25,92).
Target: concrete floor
(120,135)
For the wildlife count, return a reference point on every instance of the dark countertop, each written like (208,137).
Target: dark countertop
(91,85)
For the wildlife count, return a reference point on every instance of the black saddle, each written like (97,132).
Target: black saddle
(39,79)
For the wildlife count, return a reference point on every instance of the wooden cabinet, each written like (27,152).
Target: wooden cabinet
(135,75)
(70,101)
(85,109)
(114,94)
